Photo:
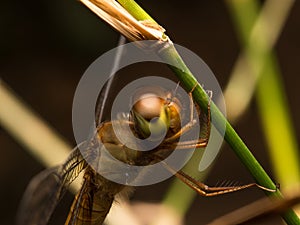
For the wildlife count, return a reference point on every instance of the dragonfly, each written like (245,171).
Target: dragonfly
(93,201)
(154,109)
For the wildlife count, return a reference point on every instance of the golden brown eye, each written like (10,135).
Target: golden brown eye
(149,106)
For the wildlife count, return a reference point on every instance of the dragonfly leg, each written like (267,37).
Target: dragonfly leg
(205,190)
(199,143)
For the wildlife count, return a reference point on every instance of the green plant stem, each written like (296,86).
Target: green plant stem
(135,10)
(231,137)
(238,146)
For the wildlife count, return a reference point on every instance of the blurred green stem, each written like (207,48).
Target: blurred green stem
(274,114)
(30,130)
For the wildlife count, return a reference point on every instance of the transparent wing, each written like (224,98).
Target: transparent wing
(105,92)
(47,188)
(93,201)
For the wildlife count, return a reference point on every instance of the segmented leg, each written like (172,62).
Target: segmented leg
(205,190)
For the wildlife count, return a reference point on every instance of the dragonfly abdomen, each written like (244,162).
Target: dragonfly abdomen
(94,200)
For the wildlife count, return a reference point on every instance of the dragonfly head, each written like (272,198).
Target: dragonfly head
(151,112)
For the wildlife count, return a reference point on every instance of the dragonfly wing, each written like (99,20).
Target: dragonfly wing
(46,189)
(105,91)
(40,198)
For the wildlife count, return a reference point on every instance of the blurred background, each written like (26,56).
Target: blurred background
(46,46)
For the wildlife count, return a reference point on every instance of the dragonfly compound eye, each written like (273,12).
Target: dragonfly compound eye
(150,112)
(149,106)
